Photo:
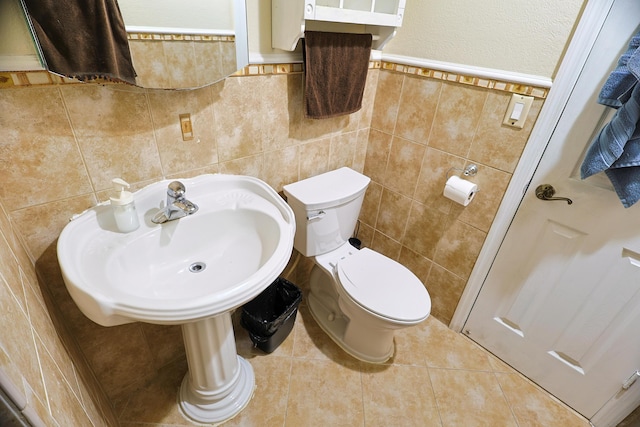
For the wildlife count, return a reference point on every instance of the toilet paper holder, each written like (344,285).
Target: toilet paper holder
(459,189)
(470,170)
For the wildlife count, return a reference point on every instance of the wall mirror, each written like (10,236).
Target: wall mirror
(175,44)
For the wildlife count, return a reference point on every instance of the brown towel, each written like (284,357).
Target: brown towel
(84,39)
(336,66)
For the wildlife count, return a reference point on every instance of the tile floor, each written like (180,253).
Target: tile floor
(436,378)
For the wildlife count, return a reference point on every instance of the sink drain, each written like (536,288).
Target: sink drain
(197,267)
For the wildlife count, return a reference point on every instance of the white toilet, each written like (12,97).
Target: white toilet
(358,297)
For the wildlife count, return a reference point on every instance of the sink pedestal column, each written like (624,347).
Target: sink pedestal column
(219,383)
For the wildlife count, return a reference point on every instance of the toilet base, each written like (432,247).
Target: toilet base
(335,324)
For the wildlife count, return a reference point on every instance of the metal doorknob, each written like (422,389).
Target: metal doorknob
(546,192)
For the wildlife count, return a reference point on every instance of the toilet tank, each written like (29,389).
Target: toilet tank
(326,208)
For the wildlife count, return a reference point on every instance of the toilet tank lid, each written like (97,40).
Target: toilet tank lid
(328,189)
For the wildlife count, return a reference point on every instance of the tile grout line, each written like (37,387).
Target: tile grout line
(364,412)
(504,395)
(435,398)
(291,359)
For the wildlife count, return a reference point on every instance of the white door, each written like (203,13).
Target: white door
(561,302)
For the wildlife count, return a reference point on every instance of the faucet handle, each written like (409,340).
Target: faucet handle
(176,189)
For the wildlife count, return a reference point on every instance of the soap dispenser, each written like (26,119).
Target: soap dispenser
(124,209)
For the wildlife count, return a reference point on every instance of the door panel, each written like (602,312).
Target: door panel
(561,302)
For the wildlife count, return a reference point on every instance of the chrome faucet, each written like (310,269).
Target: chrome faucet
(177,205)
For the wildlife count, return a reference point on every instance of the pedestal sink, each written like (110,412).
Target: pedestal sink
(192,271)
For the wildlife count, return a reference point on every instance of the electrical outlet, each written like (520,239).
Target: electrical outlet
(517,110)
(186,127)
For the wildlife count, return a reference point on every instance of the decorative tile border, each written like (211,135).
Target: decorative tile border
(179,37)
(292,68)
(537,92)
(12,79)
(494,84)
(266,69)
(39,78)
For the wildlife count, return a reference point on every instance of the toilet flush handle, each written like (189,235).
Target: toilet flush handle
(315,215)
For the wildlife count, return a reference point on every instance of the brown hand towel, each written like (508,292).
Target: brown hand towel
(336,66)
(85,39)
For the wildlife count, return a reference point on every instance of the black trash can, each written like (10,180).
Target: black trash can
(270,316)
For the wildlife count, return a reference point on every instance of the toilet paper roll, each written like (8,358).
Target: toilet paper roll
(460,190)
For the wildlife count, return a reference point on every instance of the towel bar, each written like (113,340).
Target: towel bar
(290,19)
(374,37)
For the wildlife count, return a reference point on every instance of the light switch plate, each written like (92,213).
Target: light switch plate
(186,127)
(517,110)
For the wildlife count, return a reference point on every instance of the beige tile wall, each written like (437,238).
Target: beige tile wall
(63,144)
(50,386)
(181,61)
(422,128)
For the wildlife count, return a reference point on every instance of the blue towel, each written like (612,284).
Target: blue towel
(626,179)
(616,149)
(610,143)
(616,90)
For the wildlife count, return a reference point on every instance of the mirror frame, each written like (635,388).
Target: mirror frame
(241,33)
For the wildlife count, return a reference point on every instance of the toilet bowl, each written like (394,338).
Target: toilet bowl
(358,297)
(373,296)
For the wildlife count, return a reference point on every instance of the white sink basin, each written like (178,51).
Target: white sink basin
(191,271)
(187,269)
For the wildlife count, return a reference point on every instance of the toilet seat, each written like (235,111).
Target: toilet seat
(383,286)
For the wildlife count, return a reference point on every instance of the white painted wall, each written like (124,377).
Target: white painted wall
(259,27)
(187,14)
(15,38)
(519,36)
(17,49)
